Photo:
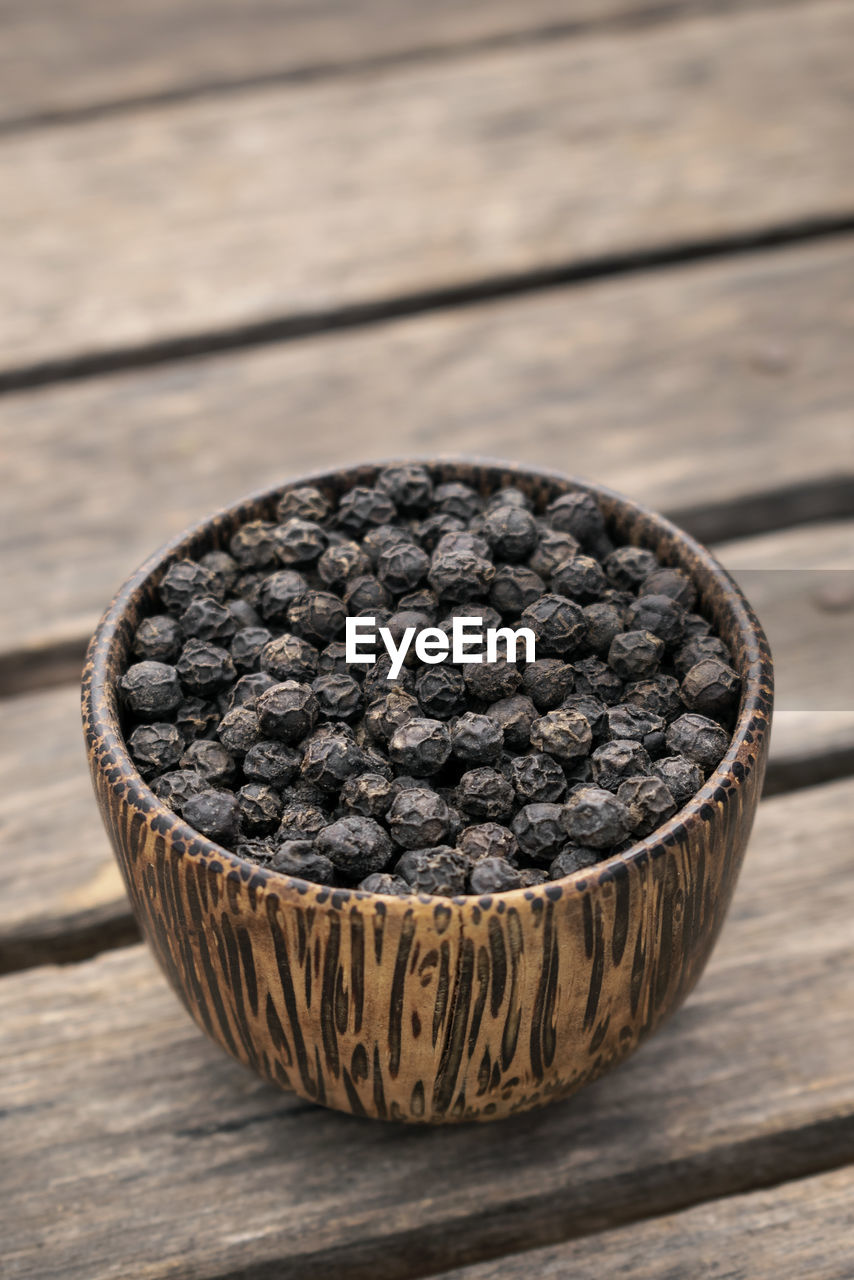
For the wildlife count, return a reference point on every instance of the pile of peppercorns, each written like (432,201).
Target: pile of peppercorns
(245,718)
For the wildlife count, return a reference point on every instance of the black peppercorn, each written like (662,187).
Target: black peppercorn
(356,846)
(401,568)
(330,758)
(408,485)
(305,502)
(557,623)
(460,575)
(437,870)
(362,509)
(277,593)
(511,532)
(539,830)
(663,581)
(548,681)
(151,689)
(580,578)
(615,761)
(340,563)
(681,776)
(176,787)
(158,639)
(626,721)
(553,548)
(489,681)
(458,500)
(595,818)
(367,793)
(299,541)
(247,645)
(564,735)
(273,762)
(212,761)
(440,690)
(204,668)
(537,779)
(488,840)
(420,746)
(155,747)
(577,513)
(698,738)
(514,588)
(659,694)
(196,718)
(239,730)
(485,794)
(627,567)
(300,859)
(212,812)
(390,710)
(185,580)
(418,818)
(604,622)
(514,716)
(711,687)
(572,858)
(648,803)
(635,654)
(494,875)
(695,649)
(288,711)
(365,594)
(259,809)
(207,619)
(476,739)
(384,882)
(248,689)
(301,821)
(254,545)
(596,679)
(531,876)
(593,710)
(431,529)
(662,616)
(318,616)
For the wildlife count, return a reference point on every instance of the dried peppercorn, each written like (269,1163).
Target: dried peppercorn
(246,647)
(196,718)
(485,794)
(627,567)
(362,509)
(664,581)
(408,485)
(648,803)
(304,501)
(494,875)
(572,858)
(548,681)
(698,738)
(577,513)
(207,619)
(681,776)
(459,575)
(301,821)
(155,747)
(604,622)
(330,758)
(253,546)
(273,762)
(420,746)
(332,661)
(695,649)
(204,668)
(593,710)
(514,588)
(488,840)
(661,615)
(635,654)
(290,657)
(248,689)
(511,532)
(539,830)
(432,528)
(277,592)
(239,730)
(711,687)
(259,808)
(299,541)
(300,859)
(436,870)
(288,711)
(598,680)
(370,794)
(418,818)
(557,623)
(356,846)
(158,639)
(151,689)
(659,694)
(401,568)
(476,739)
(213,812)
(389,711)
(564,735)
(365,594)
(211,760)
(385,882)
(615,761)
(317,616)
(580,578)
(175,787)
(627,721)
(531,876)
(338,697)
(341,562)
(595,818)
(440,690)
(537,779)
(183,581)
(554,546)
(490,681)
(514,716)
(456,499)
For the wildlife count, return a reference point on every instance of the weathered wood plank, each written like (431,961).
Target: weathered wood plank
(697,385)
(131,1143)
(76,905)
(303,200)
(56,59)
(802,1228)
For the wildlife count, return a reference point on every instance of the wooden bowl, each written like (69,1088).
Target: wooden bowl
(426,1009)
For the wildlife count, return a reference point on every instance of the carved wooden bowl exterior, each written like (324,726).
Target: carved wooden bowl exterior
(425,1009)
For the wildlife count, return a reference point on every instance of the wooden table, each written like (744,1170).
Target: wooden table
(241,240)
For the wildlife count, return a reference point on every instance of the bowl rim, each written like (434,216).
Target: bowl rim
(103,729)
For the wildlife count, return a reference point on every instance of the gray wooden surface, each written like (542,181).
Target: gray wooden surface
(238,241)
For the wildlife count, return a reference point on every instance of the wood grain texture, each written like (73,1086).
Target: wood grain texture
(466,1007)
(802,1228)
(221,213)
(690,386)
(55,59)
(146,1150)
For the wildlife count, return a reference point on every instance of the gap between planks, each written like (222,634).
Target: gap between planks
(150,56)
(107,1084)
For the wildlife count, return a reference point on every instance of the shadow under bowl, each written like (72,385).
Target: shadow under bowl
(434,1009)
